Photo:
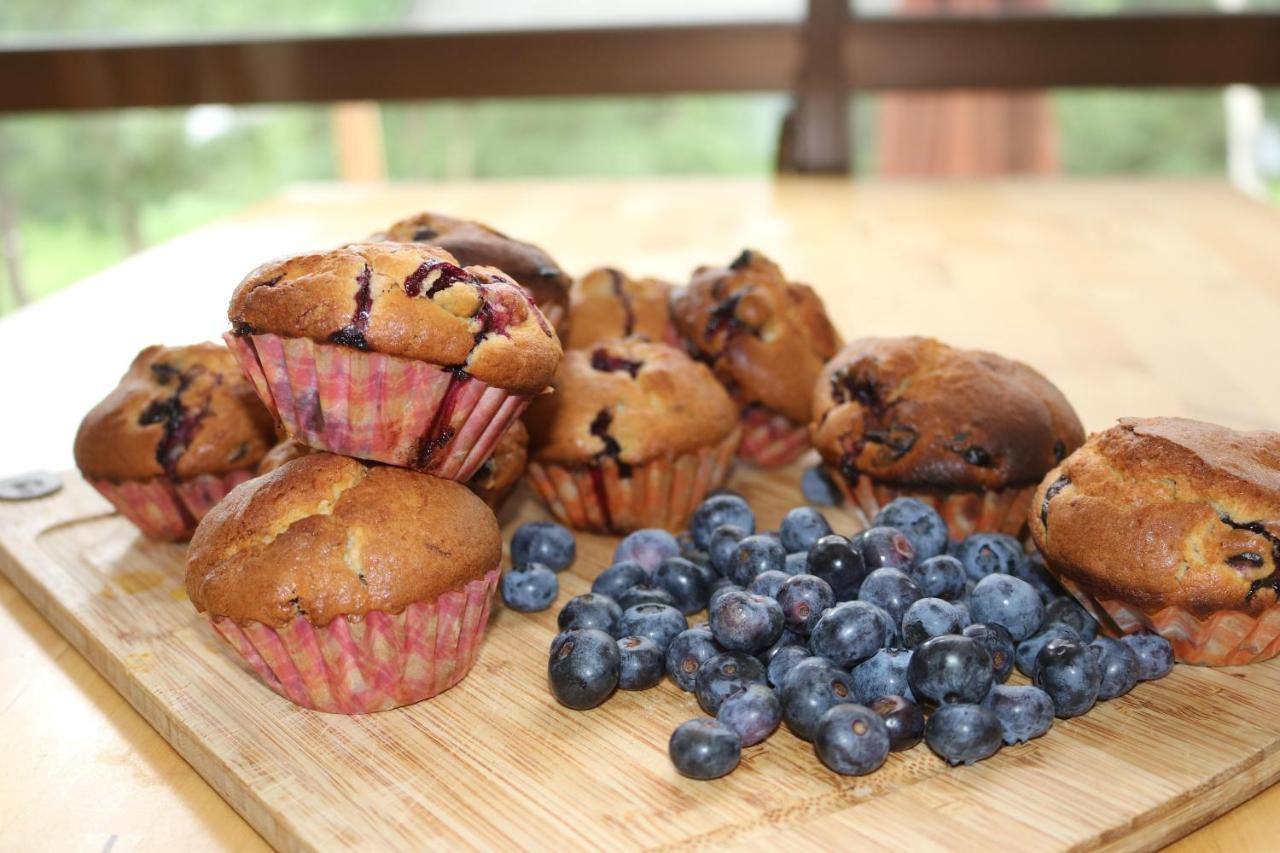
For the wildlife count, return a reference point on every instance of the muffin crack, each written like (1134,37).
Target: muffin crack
(624,299)
(353,334)
(178,422)
(1254,560)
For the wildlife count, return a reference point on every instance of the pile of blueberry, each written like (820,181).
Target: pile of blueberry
(862,645)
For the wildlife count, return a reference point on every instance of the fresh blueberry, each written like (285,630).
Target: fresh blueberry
(685,582)
(892,632)
(754,713)
(949,669)
(704,749)
(904,720)
(584,667)
(688,651)
(819,488)
(1005,600)
(648,547)
(768,583)
(813,685)
(717,510)
(1024,712)
(1029,649)
(834,559)
(890,590)
(1031,568)
(803,598)
(942,577)
(999,644)
(801,527)
(989,553)
(962,610)
(797,563)
(529,587)
(883,674)
(1119,667)
(691,552)
(783,661)
(741,621)
(1066,611)
(543,542)
(753,555)
(661,623)
(591,610)
(1069,672)
(885,547)
(963,733)
(786,638)
(919,522)
(723,675)
(848,633)
(645,593)
(724,541)
(928,618)
(719,588)
(1155,655)
(640,663)
(851,739)
(619,578)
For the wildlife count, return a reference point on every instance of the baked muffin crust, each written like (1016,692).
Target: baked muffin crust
(606,304)
(503,469)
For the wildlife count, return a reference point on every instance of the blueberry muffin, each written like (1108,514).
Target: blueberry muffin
(499,475)
(474,243)
(286,451)
(393,352)
(766,339)
(179,431)
(970,432)
(348,588)
(607,304)
(1171,525)
(635,435)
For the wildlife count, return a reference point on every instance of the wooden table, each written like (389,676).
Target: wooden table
(1136,297)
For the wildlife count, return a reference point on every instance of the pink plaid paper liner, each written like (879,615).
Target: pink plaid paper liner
(992,511)
(661,493)
(374,663)
(375,406)
(163,509)
(770,440)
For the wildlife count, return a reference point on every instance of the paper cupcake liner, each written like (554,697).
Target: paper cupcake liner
(168,510)
(769,439)
(991,511)
(660,493)
(374,663)
(376,406)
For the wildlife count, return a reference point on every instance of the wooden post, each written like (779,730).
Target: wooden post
(357,134)
(815,138)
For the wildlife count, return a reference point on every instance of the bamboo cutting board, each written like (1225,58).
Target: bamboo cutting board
(496,762)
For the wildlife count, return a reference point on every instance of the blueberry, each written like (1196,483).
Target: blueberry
(797,563)
(723,675)
(883,674)
(999,644)
(741,621)
(704,749)
(768,583)
(529,587)
(686,653)
(1029,649)
(1155,655)
(851,739)
(719,588)
(619,578)
(591,610)
(801,527)
(688,586)
(1069,672)
(928,618)
(645,593)
(892,634)
(1119,667)
(640,663)
(1024,712)
(1065,611)
(717,510)
(648,547)
(813,686)
(783,661)
(819,488)
(904,720)
(1005,600)
(963,733)
(803,598)
(753,555)
(543,542)
(754,713)
(848,633)
(691,552)
(890,590)
(834,559)
(786,638)
(942,577)
(584,667)
(885,547)
(1031,568)
(962,610)
(919,522)
(661,623)
(949,669)
(724,541)
(989,553)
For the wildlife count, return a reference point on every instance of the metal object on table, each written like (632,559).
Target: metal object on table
(29,486)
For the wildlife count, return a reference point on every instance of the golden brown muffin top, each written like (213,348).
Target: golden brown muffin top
(286,451)
(765,337)
(1160,511)
(408,300)
(631,400)
(325,536)
(501,471)
(178,412)
(606,304)
(914,411)
(475,243)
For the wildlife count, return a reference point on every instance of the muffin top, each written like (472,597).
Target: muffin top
(474,243)
(178,412)
(914,411)
(408,300)
(1161,511)
(765,337)
(285,451)
(325,536)
(607,304)
(631,400)
(503,469)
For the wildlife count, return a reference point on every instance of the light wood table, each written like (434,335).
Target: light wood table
(1135,297)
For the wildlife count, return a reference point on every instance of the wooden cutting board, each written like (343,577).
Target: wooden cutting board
(496,762)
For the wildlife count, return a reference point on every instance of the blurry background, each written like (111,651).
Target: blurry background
(80,191)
